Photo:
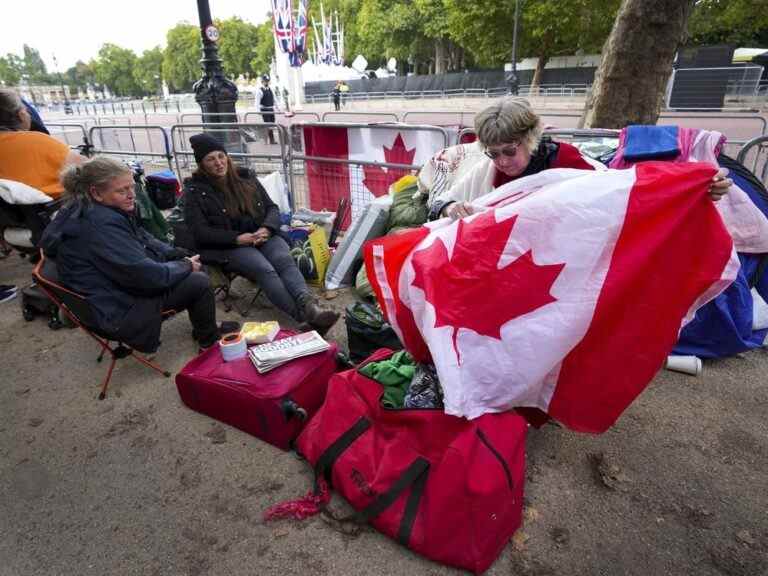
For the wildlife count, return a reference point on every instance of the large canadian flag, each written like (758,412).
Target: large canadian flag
(353,179)
(565,292)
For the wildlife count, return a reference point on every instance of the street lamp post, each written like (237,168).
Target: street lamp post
(512,79)
(63,90)
(215,93)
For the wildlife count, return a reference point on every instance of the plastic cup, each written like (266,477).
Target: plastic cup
(685,364)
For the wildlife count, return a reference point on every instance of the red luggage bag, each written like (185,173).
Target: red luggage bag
(274,406)
(446,487)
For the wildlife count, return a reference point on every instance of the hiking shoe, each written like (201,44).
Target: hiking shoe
(7,294)
(228,327)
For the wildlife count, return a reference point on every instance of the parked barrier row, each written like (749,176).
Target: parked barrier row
(321,162)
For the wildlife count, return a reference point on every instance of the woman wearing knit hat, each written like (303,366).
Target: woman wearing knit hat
(233,220)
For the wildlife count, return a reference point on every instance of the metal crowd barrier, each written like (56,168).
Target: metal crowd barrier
(289,117)
(320,181)
(111,141)
(65,132)
(247,144)
(359,117)
(754,155)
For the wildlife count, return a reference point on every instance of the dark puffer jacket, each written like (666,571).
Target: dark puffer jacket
(214,230)
(102,253)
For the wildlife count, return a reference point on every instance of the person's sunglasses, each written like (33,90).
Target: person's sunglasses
(509,151)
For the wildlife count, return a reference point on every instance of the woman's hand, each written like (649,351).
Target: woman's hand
(195,261)
(262,235)
(458,210)
(720,185)
(247,239)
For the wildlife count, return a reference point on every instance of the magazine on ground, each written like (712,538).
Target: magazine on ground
(266,357)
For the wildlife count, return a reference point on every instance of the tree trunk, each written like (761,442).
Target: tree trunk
(440,56)
(538,74)
(637,60)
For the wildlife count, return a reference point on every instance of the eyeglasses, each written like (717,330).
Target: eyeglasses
(508,151)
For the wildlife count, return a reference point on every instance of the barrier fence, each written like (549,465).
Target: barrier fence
(247,144)
(322,162)
(132,142)
(356,162)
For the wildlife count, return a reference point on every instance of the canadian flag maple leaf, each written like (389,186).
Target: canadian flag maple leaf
(470,290)
(378,180)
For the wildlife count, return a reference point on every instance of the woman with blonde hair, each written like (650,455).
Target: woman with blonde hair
(510,135)
(127,276)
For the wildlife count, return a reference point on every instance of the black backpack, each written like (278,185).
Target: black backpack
(368,331)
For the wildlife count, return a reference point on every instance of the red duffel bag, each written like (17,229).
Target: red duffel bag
(273,406)
(446,487)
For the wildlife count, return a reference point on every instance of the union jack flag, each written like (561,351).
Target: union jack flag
(283,24)
(300,26)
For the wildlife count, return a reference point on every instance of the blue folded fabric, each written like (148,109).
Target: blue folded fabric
(650,143)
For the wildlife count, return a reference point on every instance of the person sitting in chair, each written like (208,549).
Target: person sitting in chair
(128,277)
(33,158)
(233,220)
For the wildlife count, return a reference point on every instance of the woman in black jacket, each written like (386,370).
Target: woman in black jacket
(127,276)
(233,221)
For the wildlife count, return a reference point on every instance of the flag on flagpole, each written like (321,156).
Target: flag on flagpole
(283,24)
(565,293)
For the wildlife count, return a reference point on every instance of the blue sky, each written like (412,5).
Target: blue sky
(76,30)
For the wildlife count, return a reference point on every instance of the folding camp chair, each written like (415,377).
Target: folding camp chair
(77,309)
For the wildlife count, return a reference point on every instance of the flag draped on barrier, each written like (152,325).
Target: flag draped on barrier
(329,182)
(565,293)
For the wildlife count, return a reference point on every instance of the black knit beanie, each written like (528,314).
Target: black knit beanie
(203,144)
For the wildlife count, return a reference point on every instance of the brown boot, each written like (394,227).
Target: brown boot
(319,318)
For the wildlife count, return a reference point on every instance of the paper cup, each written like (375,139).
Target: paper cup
(232,347)
(685,364)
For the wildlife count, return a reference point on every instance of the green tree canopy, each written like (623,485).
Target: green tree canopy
(237,43)
(740,22)
(264,51)
(148,71)
(34,70)
(114,69)
(80,76)
(181,62)
(11,69)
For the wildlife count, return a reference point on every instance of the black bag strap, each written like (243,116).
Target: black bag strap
(416,476)
(324,464)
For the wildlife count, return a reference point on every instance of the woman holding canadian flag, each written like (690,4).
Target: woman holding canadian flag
(563,291)
(510,134)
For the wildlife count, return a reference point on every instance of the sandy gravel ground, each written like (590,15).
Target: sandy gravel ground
(139,484)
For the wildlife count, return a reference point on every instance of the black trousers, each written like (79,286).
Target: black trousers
(195,295)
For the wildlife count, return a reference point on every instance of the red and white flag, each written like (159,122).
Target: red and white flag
(564,293)
(361,183)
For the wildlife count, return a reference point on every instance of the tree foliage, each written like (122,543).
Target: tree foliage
(11,69)
(148,71)
(79,76)
(264,50)
(114,69)
(181,63)
(238,40)
(739,22)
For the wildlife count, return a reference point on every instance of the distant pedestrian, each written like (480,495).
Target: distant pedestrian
(265,99)
(336,95)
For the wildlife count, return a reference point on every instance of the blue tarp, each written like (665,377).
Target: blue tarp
(724,326)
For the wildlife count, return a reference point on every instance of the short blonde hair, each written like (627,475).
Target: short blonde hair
(508,121)
(98,172)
